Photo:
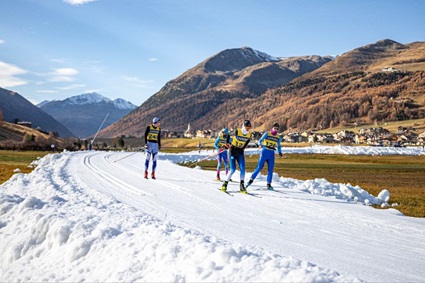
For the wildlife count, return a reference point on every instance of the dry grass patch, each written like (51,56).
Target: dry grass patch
(11,160)
(402,176)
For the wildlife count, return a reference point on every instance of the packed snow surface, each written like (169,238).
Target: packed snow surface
(90,216)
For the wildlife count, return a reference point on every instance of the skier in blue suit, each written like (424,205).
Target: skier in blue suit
(222,144)
(152,145)
(269,142)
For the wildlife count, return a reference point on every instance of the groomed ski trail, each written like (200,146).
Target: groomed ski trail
(189,198)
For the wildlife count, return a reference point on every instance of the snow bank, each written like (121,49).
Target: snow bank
(320,186)
(53,228)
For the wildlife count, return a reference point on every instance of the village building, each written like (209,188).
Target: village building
(203,133)
(188,133)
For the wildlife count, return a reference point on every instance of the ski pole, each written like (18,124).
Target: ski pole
(212,155)
(126,156)
(254,152)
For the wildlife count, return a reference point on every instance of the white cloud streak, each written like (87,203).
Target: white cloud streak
(63,75)
(47,91)
(61,89)
(8,73)
(70,87)
(138,82)
(78,2)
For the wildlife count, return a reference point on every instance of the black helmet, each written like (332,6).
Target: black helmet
(247,123)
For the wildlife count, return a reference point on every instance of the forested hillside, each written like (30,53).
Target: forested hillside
(199,94)
(383,81)
(357,97)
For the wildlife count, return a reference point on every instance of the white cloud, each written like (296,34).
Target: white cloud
(63,75)
(66,71)
(138,82)
(94,67)
(70,87)
(91,90)
(2,41)
(78,2)
(61,89)
(153,59)
(8,73)
(60,60)
(47,91)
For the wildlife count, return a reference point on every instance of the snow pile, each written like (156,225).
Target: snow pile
(321,186)
(194,156)
(355,150)
(340,191)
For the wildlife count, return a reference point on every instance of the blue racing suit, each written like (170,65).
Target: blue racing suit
(153,145)
(236,153)
(269,143)
(222,157)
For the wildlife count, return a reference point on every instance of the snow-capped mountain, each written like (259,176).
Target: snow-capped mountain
(83,114)
(123,104)
(95,98)
(87,98)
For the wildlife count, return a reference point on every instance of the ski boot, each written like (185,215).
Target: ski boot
(146,174)
(249,183)
(242,188)
(269,187)
(153,175)
(218,177)
(224,187)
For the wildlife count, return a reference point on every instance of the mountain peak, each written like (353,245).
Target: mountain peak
(382,45)
(248,51)
(123,104)
(231,60)
(87,98)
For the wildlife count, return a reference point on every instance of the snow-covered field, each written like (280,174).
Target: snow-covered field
(90,216)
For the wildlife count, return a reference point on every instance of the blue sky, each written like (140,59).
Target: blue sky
(54,49)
